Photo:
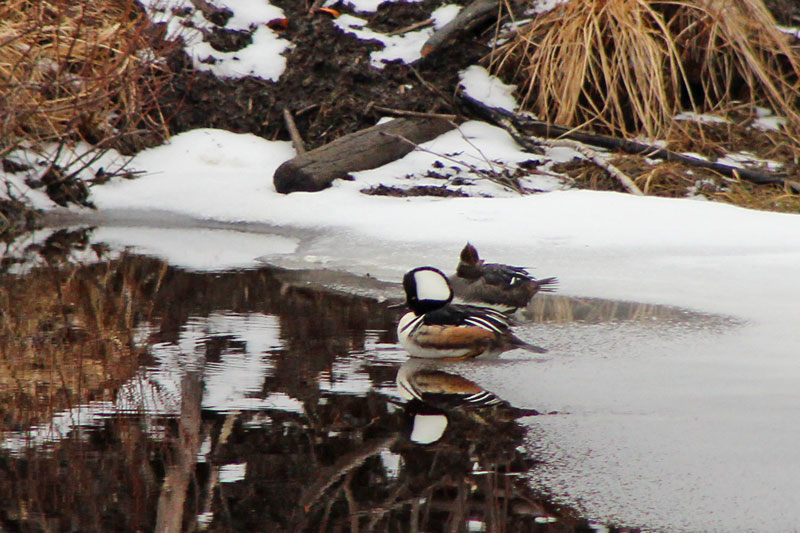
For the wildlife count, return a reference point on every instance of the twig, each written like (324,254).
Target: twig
(535,146)
(294,133)
(415,26)
(490,175)
(330,475)
(305,110)
(606,165)
(352,504)
(431,88)
(406,113)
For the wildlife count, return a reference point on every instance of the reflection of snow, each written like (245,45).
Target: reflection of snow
(26,250)
(232,472)
(346,376)
(59,426)
(174,245)
(233,383)
(350,375)
(391,463)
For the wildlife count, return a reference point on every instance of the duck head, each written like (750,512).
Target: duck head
(469,263)
(427,289)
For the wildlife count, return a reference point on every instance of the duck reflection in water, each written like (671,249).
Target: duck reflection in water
(436,392)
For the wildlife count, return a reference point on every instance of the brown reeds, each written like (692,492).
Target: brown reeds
(78,70)
(67,337)
(628,66)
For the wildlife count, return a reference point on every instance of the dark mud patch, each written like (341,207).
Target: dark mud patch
(229,40)
(418,190)
(329,84)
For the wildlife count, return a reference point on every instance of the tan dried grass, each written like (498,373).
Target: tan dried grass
(83,70)
(69,337)
(628,66)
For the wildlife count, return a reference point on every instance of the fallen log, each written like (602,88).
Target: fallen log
(362,150)
(512,121)
(469,17)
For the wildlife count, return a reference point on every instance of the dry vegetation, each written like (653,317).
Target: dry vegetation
(78,70)
(629,66)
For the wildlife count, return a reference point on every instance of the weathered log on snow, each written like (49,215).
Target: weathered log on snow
(362,150)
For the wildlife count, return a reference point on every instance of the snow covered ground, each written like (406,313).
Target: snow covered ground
(670,426)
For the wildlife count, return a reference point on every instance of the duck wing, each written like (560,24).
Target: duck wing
(506,275)
(468,315)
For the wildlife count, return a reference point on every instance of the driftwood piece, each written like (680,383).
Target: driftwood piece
(364,149)
(471,15)
(539,128)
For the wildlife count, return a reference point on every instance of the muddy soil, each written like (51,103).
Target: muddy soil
(328,85)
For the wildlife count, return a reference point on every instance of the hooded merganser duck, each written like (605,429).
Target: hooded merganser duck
(502,286)
(437,329)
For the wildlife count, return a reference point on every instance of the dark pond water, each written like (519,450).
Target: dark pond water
(140,397)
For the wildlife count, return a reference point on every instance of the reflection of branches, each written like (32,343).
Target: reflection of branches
(380,511)
(352,505)
(213,478)
(342,466)
(169,515)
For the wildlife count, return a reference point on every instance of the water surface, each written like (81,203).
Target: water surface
(138,396)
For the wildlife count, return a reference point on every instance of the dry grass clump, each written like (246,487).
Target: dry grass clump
(763,197)
(628,66)
(78,70)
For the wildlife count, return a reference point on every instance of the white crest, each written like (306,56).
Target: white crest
(431,285)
